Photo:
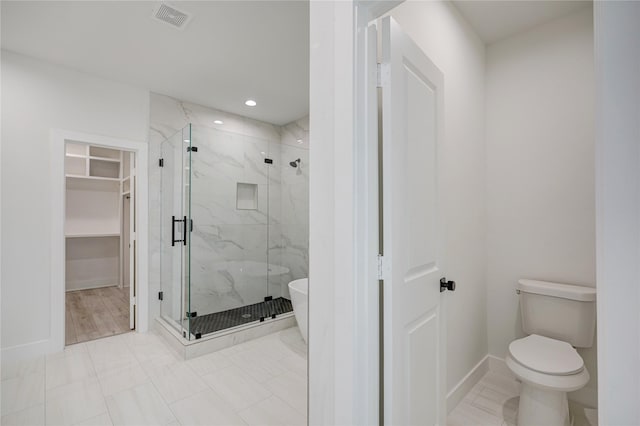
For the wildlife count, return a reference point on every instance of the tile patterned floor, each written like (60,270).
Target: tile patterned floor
(135,379)
(493,401)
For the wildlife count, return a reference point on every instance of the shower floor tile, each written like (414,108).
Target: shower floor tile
(243,315)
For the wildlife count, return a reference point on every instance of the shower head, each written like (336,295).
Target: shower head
(295,163)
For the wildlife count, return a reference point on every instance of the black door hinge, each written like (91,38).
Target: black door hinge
(192,314)
(161,162)
(160,295)
(192,149)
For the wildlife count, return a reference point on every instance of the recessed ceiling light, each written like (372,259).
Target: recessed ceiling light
(299,141)
(250,102)
(263,153)
(187,140)
(218,122)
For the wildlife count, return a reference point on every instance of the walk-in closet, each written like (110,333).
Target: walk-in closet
(100,242)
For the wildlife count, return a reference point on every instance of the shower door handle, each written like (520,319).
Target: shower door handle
(173,231)
(184,231)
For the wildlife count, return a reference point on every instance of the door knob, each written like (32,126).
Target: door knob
(447,285)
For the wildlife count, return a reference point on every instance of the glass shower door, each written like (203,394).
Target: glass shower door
(175,195)
(223,229)
(230,211)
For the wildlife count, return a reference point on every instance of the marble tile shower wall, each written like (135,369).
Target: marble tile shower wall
(290,238)
(237,256)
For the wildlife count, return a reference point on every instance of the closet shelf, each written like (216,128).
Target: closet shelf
(93,157)
(93,178)
(92,183)
(97,235)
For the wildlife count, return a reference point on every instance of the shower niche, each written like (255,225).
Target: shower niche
(247,196)
(233,230)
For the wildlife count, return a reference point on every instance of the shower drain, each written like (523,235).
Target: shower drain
(246,316)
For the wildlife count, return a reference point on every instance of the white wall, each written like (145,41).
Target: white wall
(617,26)
(540,168)
(92,263)
(438,28)
(37,97)
(332,352)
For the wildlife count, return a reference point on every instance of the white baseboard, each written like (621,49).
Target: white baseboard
(25,351)
(463,387)
(498,365)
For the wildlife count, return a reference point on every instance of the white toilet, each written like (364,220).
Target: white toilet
(557,319)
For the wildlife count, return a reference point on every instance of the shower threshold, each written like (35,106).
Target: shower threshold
(236,329)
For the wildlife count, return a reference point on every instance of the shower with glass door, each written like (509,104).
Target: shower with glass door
(229,203)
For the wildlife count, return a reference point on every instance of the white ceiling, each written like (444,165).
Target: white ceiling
(495,20)
(229,52)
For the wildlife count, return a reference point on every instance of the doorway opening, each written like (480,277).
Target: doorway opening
(100,243)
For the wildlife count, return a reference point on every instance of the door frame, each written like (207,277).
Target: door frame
(617,210)
(125,249)
(58,138)
(344,323)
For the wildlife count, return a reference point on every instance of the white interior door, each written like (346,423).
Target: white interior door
(413,232)
(132,241)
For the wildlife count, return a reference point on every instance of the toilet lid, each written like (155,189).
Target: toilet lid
(546,355)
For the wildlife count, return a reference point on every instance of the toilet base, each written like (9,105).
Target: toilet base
(542,407)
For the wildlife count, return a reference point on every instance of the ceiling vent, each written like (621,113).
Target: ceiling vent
(172,16)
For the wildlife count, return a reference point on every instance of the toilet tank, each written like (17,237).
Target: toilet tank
(561,311)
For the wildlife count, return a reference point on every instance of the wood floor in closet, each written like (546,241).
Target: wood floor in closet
(95,313)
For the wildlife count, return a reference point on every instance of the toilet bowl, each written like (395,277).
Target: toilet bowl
(299,291)
(548,369)
(557,318)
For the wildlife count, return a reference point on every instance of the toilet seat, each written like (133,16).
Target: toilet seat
(547,356)
(548,381)
(547,363)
